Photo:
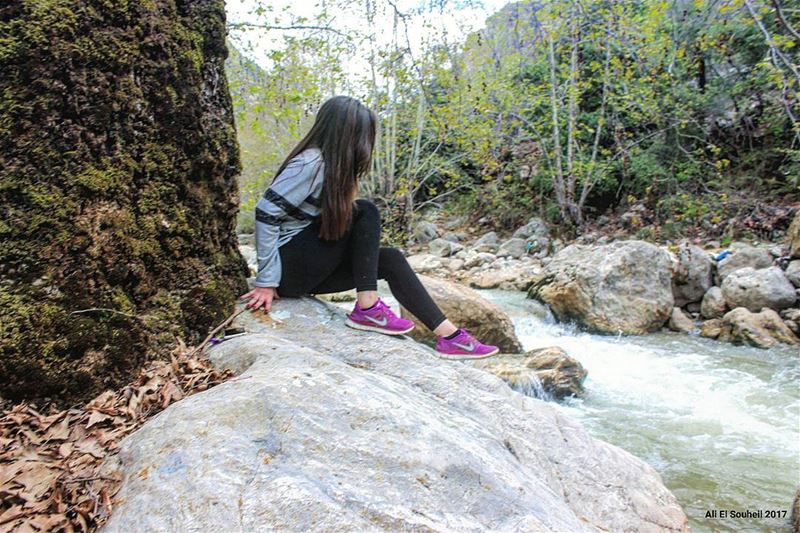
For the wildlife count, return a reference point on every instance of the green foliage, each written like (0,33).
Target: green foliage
(644,98)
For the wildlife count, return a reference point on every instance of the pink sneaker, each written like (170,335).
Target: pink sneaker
(379,318)
(464,346)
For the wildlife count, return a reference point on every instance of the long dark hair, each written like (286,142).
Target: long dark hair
(344,130)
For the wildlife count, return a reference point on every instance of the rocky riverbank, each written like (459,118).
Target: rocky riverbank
(331,428)
(745,293)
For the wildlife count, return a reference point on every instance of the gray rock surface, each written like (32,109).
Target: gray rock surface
(743,255)
(442,248)
(757,289)
(692,276)
(793,236)
(680,322)
(624,286)
(487,243)
(545,372)
(425,262)
(513,247)
(535,228)
(793,272)
(477,259)
(424,232)
(713,304)
(516,278)
(342,430)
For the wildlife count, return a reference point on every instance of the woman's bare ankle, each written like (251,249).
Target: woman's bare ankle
(366,299)
(445,329)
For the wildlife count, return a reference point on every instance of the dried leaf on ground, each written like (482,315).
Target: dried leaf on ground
(50,460)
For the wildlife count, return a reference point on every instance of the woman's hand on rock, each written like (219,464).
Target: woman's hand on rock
(261,297)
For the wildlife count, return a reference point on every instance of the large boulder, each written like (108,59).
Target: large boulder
(757,289)
(119,168)
(624,286)
(543,373)
(743,256)
(468,309)
(762,330)
(693,275)
(352,431)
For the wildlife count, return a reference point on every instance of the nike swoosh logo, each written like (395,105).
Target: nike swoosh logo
(467,347)
(379,321)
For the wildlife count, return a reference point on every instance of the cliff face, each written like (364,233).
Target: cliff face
(118,165)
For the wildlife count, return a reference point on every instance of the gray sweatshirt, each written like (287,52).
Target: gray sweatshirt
(288,206)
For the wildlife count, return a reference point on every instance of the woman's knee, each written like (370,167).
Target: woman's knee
(391,259)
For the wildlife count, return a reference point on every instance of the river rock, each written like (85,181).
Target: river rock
(793,272)
(468,309)
(762,330)
(424,231)
(425,262)
(454,236)
(711,328)
(794,236)
(742,256)
(680,322)
(624,286)
(517,278)
(543,373)
(478,259)
(757,289)
(442,248)
(513,247)
(713,304)
(346,430)
(536,228)
(456,265)
(487,243)
(692,276)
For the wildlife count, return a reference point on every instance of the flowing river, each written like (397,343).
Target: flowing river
(721,423)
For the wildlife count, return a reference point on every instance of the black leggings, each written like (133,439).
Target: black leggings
(311,265)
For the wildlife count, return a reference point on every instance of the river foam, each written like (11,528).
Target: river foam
(721,423)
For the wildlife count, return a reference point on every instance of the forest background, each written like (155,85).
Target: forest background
(682,112)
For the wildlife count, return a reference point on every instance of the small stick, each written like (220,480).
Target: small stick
(93,478)
(216,330)
(107,310)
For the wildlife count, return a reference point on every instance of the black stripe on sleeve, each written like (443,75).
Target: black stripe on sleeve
(266,218)
(291,210)
(316,202)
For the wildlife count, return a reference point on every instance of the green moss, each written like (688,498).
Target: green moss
(117,193)
(100,180)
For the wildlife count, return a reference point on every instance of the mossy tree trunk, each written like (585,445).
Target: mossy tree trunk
(118,191)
